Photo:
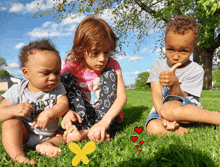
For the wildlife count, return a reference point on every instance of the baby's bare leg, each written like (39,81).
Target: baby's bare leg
(13,134)
(50,147)
(174,111)
(155,127)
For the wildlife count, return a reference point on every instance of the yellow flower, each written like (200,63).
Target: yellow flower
(81,154)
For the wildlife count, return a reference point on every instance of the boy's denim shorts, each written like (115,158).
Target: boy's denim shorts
(154,114)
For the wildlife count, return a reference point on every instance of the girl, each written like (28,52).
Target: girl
(94,84)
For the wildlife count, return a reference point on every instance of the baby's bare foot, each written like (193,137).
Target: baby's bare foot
(22,159)
(73,135)
(47,148)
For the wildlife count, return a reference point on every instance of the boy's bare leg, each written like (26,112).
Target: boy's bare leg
(14,133)
(74,135)
(174,111)
(50,147)
(155,127)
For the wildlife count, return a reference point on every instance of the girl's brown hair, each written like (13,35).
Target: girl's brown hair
(181,24)
(90,32)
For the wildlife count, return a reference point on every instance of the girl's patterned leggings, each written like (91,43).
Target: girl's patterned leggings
(79,103)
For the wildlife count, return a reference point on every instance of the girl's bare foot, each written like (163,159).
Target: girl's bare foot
(47,148)
(73,135)
(107,138)
(22,159)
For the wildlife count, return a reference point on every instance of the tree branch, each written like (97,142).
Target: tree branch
(147,9)
(217,12)
(155,3)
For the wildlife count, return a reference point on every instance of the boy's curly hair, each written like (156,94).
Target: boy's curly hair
(181,24)
(32,47)
(91,31)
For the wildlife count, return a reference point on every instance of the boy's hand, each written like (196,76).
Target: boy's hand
(98,131)
(68,118)
(41,120)
(168,78)
(169,125)
(24,109)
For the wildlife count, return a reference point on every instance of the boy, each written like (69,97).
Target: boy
(176,82)
(30,110)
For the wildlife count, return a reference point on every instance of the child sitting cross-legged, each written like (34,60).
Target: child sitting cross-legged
(176,83)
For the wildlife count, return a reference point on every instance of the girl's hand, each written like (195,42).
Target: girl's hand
(169,125)
(98,131)
(68,118)
(168,78)
(41,120)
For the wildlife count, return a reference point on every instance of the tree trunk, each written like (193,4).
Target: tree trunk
(204,58)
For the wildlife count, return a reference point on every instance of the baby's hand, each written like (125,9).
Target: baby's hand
(98,131)
(68,118)
(169,125)
(24,109)
(41,120)
(168,78)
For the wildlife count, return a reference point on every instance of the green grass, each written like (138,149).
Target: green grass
(198,148)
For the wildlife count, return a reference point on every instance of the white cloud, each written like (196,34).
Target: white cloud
(69,19)
(18,46)
(135,58)
(16,7)
(119,58)
(12,65)
(132,73)
(51,29)
(32,6)
(144,50)
(17,74)
(3,8)
(136,72)
(38,32)
(158,51)
(107,16)
(46,24)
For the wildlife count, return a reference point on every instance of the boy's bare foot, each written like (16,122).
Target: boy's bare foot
(47,148)
(22,159)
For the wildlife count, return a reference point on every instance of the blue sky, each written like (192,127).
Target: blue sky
(17,30)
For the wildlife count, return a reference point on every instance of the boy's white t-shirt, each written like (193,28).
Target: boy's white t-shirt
(190,78)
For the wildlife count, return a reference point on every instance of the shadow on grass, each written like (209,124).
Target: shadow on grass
(131,115)
(176,155)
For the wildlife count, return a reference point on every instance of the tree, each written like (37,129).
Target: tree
(2,71)
(2,62)
(216,78)
(140,81)
(143,15)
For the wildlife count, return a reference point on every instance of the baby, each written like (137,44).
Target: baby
(30,109)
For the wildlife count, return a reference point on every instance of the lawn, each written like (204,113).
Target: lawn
(198,148)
